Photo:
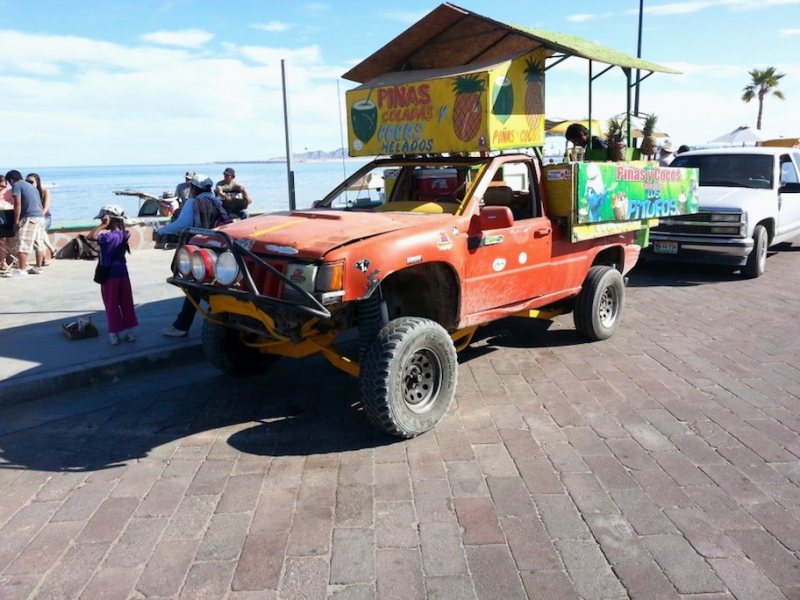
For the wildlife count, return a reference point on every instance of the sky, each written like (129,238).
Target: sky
(104,82)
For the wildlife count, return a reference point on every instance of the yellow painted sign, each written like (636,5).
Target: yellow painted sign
(475,109)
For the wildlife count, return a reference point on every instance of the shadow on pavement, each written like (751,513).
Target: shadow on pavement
(298,408)
(654,274)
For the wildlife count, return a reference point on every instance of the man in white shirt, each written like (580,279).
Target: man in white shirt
(666,156)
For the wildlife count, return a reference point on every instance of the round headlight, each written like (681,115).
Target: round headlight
(184,260)
(202,264)
(226,269)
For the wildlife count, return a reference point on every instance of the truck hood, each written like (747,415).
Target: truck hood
(733,198)
(314,233)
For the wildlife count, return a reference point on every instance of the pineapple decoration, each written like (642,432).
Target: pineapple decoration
(648,142)
(534,92)
(467,112)
(616,146)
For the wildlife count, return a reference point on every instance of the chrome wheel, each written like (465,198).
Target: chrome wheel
(608,306)
(422,379)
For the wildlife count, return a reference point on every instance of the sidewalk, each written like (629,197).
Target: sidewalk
(37,359)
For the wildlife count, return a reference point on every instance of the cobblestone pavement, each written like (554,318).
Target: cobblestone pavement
(662,463)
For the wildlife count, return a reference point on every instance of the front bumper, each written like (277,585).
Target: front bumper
(701,250)
(302,306)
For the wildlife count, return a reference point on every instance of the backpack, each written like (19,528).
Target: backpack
(80,247)
(210,215)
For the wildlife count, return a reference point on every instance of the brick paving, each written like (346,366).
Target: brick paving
(662,463)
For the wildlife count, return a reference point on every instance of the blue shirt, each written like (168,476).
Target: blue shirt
(31,200)
(190,214)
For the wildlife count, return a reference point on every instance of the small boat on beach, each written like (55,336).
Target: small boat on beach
(152,206)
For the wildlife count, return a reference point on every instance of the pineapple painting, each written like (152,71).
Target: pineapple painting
(467,112)
(534,91)
(616,147)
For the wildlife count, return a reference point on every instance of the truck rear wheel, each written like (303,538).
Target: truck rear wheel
(225,349)
(757,260)
(409,376)
(598,308)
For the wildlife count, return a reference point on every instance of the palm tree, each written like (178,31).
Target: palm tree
(762,83)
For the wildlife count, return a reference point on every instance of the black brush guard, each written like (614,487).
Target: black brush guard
(308,305)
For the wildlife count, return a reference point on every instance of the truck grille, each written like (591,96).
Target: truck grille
(266,282)
(701,224)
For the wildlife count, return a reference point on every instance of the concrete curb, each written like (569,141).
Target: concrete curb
(26,388)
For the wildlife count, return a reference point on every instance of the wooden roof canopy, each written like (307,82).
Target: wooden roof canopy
(450,36)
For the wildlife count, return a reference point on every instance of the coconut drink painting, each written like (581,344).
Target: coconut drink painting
(485,107)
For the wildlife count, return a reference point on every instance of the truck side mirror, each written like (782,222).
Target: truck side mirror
(496,217)
(789,188)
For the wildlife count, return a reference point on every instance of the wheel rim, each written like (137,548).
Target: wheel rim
(608,306)
(762,251)
(422,380)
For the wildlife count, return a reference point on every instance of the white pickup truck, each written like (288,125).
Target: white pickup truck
(749,200)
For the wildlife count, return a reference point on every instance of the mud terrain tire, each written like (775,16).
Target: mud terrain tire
(225,350)
(409,376)
(598,308)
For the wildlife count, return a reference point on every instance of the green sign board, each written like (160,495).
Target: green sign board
(626,192)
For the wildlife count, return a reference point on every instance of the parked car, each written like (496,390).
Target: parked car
(749,200)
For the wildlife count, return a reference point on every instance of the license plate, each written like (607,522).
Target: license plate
(665,247)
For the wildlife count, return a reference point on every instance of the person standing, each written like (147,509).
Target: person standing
(665,157)
(233,194)
(29,224)
(44,194)
(115,286)
(182,189)
(8,240)
(202,209)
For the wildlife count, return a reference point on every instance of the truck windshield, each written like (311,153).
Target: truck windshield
(731,170)
(405,186)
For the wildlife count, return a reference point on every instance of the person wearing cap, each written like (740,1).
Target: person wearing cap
(29,224)
(115,283)
(182,189)
(201,209)
(665,156)
(233,194)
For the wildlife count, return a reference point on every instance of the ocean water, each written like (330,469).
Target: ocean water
(79,192)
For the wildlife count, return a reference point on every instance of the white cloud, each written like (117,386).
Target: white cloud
(272,26)
(183,38)
(693,6)
(81,101)
(581,18)
(315,7)
(787,32)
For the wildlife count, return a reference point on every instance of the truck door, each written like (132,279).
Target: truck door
(508,264)
(789,202)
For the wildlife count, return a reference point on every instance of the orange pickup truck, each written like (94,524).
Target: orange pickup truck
(413,253)
(456,229)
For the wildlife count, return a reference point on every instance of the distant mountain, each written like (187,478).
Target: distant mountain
(313,155)
(298,156)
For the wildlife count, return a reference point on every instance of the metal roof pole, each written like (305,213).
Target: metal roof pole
(627,107)
(638,55)
(589,141)
(289,169)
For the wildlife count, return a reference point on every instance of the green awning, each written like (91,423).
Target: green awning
(450,36)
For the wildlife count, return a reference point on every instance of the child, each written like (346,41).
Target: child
(116,288)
